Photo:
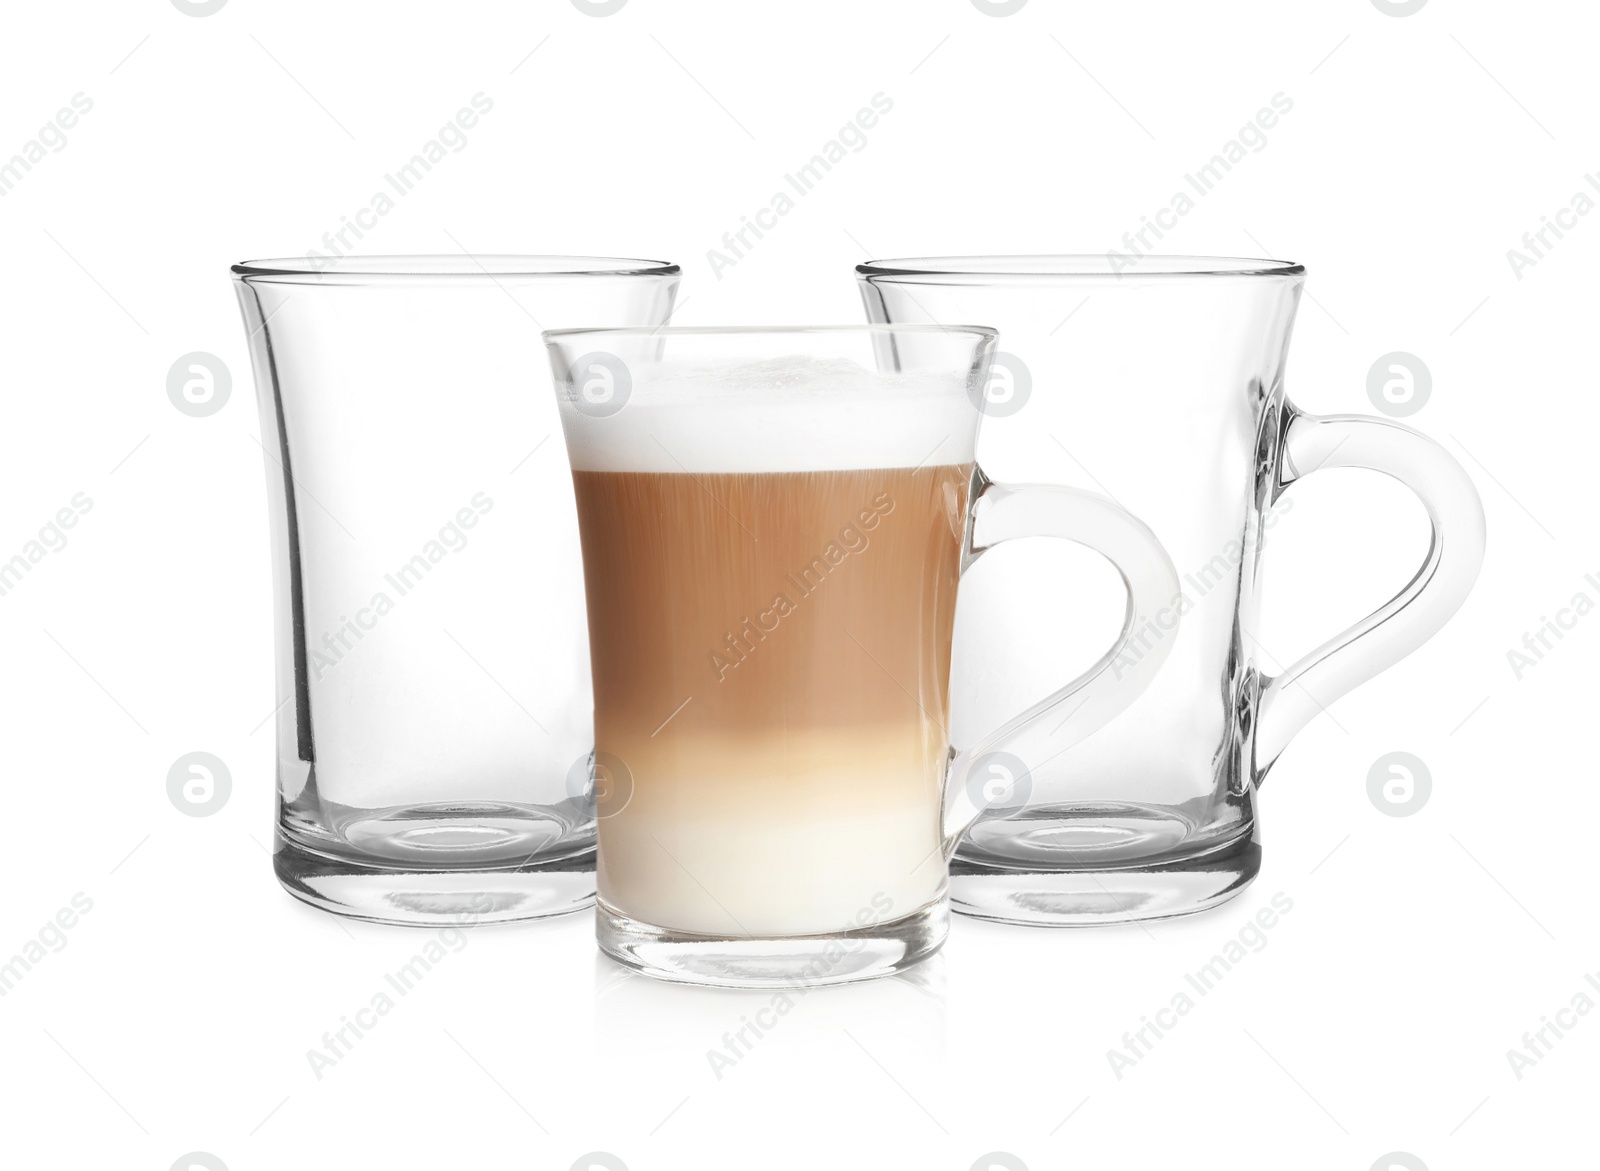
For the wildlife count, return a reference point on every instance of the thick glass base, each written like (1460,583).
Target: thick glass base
(439,866)
(797,961)
(1042,895)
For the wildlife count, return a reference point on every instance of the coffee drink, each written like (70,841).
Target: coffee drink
(774,523)
(771,661)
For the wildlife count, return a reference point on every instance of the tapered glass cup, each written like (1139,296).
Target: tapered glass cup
(433,721)
(1160,380)
(774,524)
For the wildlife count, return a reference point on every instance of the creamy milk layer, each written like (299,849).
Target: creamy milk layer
(790,414)
(804,834)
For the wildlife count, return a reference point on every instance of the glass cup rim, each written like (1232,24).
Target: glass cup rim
(977,332)
(1076,266)
(445,266)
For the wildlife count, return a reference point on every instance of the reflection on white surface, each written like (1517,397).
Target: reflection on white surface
(900,1018)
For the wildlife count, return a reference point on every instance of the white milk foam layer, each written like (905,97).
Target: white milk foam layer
(790,414)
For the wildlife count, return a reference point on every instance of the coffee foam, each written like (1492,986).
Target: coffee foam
(789,414)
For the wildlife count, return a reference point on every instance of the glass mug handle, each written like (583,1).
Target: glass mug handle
(1379,641)
(1003,512)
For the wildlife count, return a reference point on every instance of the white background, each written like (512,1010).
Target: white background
(178,1014)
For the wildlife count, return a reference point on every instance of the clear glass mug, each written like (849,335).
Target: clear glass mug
(434,726)
(1160,381)
(774,522)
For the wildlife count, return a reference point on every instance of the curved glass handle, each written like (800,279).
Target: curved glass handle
(1379,641)
(1054,724)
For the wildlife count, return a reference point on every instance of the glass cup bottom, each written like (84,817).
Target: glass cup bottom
(1068,890)
(844,957)
(438,865)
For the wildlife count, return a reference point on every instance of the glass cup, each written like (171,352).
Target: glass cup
(774,522)
(434,725)
(1160,381)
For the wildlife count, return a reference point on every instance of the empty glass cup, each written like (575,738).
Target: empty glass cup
(1160,381)
(434,727)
